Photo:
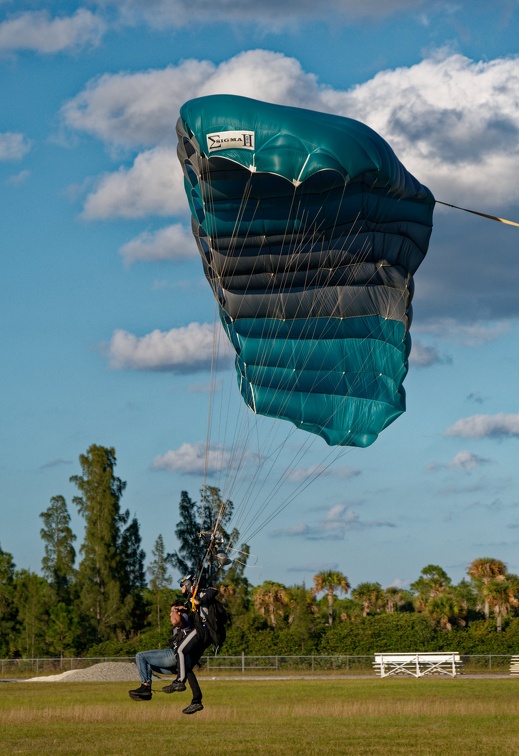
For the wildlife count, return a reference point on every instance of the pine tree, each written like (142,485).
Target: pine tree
(62,630)
(58,562)
(133,581)
(8,610)
(187,559)
(102,579)
(160,582)
(132,556)
(33,598)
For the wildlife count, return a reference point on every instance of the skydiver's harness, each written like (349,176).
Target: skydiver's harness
(210,617)
(177,636)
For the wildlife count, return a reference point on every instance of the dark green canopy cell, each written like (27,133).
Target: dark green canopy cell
(310,232)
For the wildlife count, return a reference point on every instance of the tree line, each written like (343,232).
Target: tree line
(115,603)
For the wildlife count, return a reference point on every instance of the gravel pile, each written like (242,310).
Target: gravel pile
(103,672)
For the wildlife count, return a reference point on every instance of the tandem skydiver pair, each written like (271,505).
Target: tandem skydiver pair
(197,623)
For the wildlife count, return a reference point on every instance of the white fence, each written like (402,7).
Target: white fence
(344,664)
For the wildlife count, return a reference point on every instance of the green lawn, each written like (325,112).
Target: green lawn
(355,716)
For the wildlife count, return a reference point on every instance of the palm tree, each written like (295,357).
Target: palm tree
(301,614)
(444,608)
(394,597)
(330,581)
(300,600)
(482,571)
(500,596)
(369,595)
(270,600)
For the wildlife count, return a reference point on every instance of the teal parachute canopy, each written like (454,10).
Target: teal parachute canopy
(310,231)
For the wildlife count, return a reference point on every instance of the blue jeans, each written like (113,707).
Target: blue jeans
(161,660)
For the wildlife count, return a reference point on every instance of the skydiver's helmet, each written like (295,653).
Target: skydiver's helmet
(186,581)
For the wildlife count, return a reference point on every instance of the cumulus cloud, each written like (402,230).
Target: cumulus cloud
(486,426)
(181,350)
(338,520)
(467,461)
(39,32)
(446,133)
(135,109)
(152,186)
(170,243)
(13,146)
(193,459)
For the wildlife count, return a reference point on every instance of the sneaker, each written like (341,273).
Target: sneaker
(174,687)
(192,708)
(141,694)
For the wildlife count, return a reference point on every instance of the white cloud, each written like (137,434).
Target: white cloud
(153,185)
(424,356)
(181,350)
(135,109)
(458,136)
(467,461)
(13,146)
(338,520)
(39,32)
(486,426)
(170,243)
(193,459)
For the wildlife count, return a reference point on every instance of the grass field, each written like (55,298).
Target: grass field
(355,716)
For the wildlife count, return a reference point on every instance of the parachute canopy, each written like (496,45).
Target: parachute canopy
(310,231)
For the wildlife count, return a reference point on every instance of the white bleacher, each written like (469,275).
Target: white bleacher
(419,664)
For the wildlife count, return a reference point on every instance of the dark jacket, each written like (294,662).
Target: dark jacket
(202,622)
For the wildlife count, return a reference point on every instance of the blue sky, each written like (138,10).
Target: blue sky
(107,319)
